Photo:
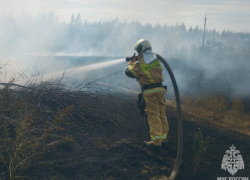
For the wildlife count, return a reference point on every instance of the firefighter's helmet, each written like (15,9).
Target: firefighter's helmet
(142,45)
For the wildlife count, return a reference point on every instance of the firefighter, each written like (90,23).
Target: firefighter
(147,70)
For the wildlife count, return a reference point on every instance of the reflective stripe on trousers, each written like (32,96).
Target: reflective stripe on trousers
(163,137)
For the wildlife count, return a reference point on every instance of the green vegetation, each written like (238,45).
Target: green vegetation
(200,146)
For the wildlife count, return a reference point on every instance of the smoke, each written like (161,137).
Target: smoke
(43,44)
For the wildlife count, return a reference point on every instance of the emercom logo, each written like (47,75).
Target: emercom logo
(232,178)
(232,162)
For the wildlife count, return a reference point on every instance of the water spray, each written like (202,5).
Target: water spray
(81,69)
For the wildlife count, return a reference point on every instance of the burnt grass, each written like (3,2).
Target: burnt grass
(107,146)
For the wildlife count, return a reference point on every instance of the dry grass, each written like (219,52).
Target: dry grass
(35,117)
(217,110)
(25,130)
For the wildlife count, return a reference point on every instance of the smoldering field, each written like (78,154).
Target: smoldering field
(43,45)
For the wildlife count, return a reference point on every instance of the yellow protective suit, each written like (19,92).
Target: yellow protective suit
(150,74)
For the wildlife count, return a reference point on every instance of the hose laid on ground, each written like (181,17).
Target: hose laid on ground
(180,131)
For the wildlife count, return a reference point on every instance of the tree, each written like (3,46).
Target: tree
(72,21)
(78,21)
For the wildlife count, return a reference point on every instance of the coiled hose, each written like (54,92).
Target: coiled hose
(180,130)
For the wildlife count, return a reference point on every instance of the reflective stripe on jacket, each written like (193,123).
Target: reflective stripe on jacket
(144,73)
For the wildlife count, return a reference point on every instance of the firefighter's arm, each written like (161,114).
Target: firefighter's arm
(131,70)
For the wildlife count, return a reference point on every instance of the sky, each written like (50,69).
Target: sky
(221,14)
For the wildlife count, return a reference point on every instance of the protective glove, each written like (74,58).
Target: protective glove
(131,63)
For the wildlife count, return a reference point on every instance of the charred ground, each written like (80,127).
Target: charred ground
(106,132)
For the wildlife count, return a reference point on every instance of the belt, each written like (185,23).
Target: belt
(151,86)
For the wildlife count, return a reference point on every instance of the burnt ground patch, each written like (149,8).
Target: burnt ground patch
(108,147)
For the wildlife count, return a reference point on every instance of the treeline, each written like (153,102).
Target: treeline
(45,34)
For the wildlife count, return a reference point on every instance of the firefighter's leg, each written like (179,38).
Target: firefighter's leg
(163,117)
(153,114)
(164,121)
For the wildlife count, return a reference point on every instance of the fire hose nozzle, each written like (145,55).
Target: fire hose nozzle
(132,58)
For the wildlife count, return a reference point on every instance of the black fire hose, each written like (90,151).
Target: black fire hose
(180,131)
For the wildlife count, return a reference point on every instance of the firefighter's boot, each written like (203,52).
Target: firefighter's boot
(164,144)
(151,146)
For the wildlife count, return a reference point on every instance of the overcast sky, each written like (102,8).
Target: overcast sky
(222,14)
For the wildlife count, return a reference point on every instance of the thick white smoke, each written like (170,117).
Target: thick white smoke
(42,44)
